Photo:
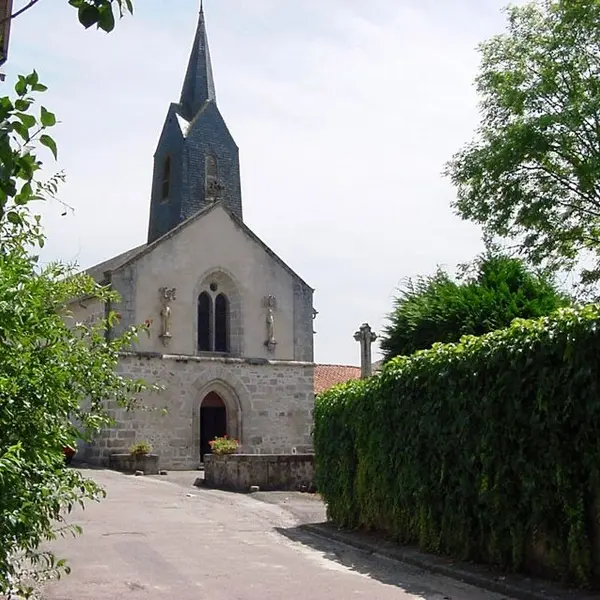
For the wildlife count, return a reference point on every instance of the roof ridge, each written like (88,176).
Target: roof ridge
(337,365)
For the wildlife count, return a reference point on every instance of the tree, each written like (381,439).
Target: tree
(49,369)
(55,377)
(487,296)
(532,173)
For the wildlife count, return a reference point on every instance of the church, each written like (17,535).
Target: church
(231,324)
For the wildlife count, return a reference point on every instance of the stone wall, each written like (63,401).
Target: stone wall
(269,407)
(85,310)
(128,463)
(238,472)
(303,322)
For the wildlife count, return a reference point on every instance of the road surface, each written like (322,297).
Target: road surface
(151,539)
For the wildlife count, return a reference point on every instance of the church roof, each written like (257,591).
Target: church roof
(122,260)
(198,85)
(112,264)
(185,124)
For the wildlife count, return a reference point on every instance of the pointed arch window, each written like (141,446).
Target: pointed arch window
(166,178)
(213,323)
(221,323)
(204,322)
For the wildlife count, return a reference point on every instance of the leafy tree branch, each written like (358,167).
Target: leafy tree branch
(56,374)
(90,12)
(532,172)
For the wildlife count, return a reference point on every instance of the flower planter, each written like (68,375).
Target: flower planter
(240,472)
(130,463)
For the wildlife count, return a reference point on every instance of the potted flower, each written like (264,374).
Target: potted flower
(140,449)
(141,459)
(224,445)
(138,460)
(217,462)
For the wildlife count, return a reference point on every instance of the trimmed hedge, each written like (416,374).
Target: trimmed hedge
(486,450)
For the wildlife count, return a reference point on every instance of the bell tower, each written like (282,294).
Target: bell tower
(196,162)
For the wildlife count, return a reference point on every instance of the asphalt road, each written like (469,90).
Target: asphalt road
(155,539)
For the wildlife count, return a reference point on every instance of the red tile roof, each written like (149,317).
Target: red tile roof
(327,376)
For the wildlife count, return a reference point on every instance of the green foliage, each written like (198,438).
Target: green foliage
(532,173)
(487,449)
(47,371)
(434,309)
(101,13)
(19,129)
(140,449)
(56,376)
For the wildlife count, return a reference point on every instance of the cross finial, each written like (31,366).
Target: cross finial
(201,7)
(366,336)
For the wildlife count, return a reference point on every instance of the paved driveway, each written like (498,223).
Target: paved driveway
(155,539)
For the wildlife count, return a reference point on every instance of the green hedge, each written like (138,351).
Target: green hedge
(487,450)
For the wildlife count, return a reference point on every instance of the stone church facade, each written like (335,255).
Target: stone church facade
(231,334)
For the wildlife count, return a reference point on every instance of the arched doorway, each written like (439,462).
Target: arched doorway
(213,421)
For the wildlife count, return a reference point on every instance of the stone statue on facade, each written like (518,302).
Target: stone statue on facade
(271,304)
(214,190)
(167,295)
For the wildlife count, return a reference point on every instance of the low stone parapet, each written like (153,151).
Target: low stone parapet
(269,472)
(128,463)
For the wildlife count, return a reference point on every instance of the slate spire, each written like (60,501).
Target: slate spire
(196,162)
(198,85)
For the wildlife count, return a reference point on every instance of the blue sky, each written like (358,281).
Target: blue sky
(344,111)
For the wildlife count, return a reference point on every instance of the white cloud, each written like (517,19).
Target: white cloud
(345,113)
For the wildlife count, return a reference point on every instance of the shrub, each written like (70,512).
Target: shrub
(140,449)
(490,293)
(487,449)
(224,445)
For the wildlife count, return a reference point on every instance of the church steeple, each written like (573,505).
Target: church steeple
(196,162)
(198,85)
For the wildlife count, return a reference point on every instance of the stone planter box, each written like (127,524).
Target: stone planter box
(238,472)
(126,463)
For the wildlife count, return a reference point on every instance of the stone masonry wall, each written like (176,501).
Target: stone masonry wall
(303,322)
(269,407)
(238,472)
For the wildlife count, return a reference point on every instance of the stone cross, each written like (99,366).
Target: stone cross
(366,337)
